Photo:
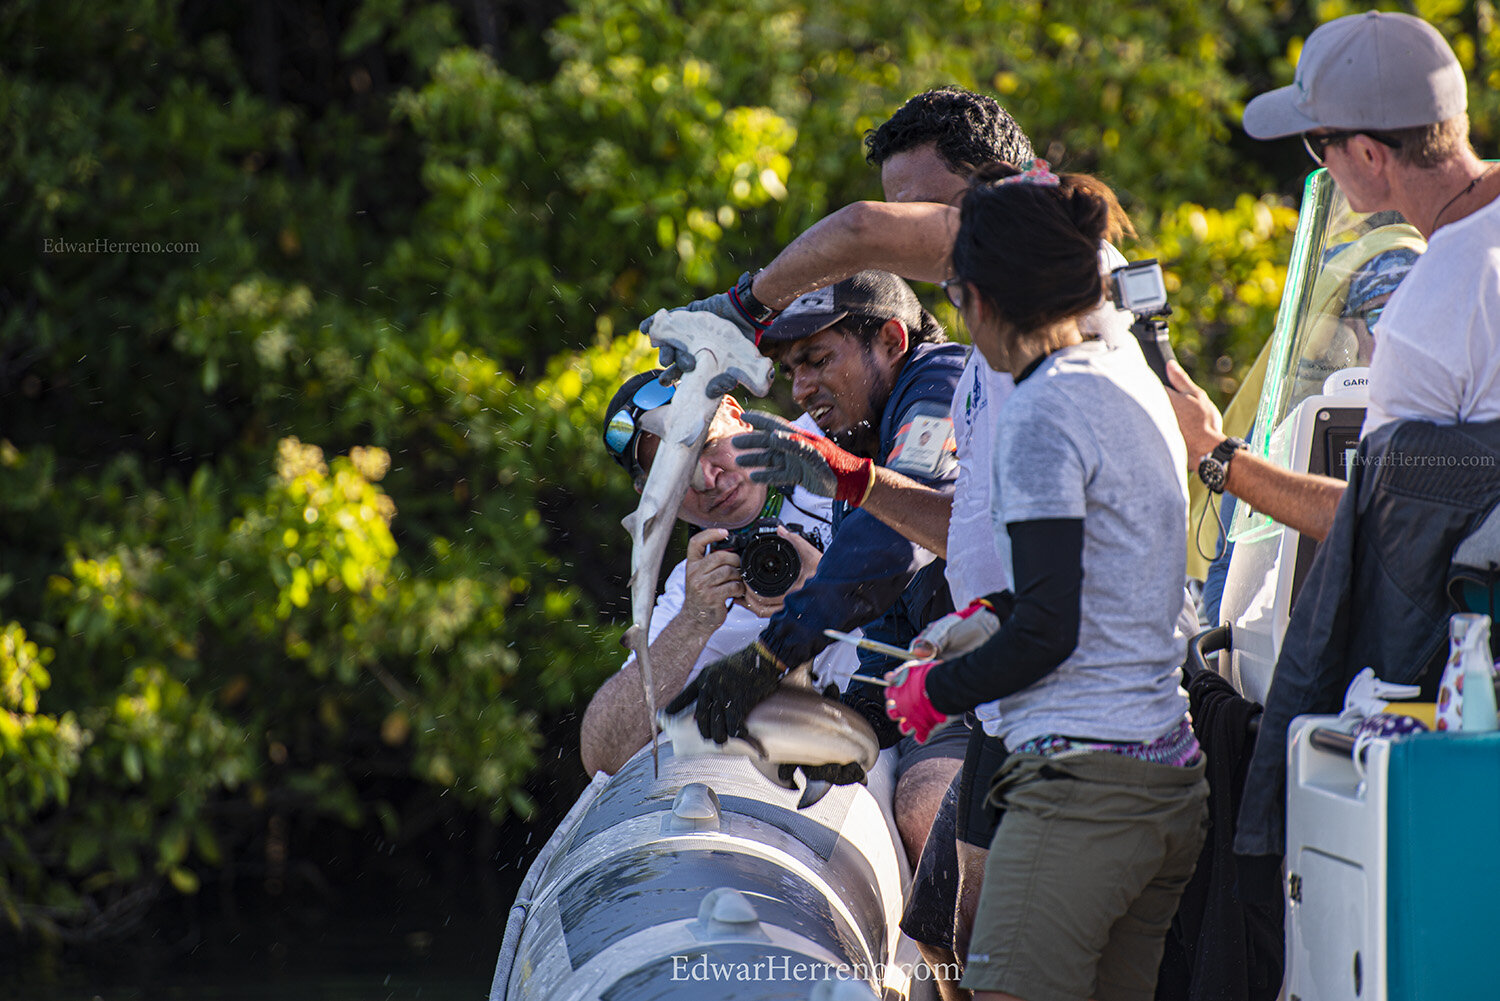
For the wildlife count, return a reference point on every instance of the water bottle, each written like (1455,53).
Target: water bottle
(1466,696)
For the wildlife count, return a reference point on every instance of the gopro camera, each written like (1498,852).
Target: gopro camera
(1140,288)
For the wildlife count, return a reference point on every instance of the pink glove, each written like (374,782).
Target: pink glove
(906,701)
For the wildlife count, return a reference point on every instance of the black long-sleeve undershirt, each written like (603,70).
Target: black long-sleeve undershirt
(1042,630)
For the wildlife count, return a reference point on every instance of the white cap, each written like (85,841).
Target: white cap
(1374,71)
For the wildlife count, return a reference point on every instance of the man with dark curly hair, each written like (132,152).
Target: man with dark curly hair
(959,127)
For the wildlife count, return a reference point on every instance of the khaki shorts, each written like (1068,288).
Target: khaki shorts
(1084,875)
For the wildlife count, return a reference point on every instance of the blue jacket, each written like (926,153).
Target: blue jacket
(1376,593)
(869,566)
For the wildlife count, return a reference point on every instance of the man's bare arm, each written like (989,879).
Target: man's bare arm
(917,511)
(910,239)
(614,724)
(1303,502)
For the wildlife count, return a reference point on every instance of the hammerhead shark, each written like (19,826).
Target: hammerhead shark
(722,357)
(794,725)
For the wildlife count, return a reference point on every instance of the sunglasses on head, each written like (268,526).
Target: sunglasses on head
(623,432)
(1317,143)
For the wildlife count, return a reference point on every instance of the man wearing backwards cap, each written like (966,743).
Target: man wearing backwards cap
(1379,99)
(873,369)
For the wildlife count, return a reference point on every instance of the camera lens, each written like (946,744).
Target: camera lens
(770,566)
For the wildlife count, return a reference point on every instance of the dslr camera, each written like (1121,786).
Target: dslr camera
(768,563)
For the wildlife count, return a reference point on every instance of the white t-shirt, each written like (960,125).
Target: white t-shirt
(1437,357)
(741,626)
(974,567)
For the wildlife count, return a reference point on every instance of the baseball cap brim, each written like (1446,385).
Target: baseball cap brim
(1274,115)
(797,326)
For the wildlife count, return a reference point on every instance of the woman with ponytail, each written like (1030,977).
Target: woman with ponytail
(1103,791)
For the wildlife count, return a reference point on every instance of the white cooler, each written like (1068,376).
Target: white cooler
(1393,879)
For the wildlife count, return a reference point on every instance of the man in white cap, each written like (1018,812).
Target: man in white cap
(1379,99)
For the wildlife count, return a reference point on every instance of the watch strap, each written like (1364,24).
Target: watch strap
(1225,449)
(755,312)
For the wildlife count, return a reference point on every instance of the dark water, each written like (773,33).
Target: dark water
(385,954)
(352,918)
(392,936)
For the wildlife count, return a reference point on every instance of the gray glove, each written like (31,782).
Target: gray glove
(779,452)
(721,305)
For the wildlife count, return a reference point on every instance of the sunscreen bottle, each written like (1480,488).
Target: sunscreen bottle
(1479,679)
(1450,705)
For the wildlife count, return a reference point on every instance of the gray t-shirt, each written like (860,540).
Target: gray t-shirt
(1090,434)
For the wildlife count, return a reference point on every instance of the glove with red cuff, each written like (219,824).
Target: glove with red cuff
(783,454)
(907,703)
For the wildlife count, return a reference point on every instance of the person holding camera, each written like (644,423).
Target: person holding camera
(1103,791)
(875,371)
(708,607)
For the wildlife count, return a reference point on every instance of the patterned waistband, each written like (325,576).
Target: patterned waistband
(1177,746)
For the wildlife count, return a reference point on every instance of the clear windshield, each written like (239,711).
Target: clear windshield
(1344,266)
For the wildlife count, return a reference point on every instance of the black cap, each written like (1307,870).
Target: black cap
(876,295)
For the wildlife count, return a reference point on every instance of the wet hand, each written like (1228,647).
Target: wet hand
(712,580)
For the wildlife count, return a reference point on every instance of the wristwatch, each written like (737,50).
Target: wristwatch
(757,312)
(1213,468)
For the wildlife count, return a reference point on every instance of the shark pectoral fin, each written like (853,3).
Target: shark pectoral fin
(798,677)
(693,436)
(815,790)
(631,638)
(771,771)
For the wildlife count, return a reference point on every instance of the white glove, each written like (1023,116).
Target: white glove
(959,632)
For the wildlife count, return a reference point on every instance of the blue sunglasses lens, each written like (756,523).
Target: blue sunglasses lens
(621,429)
(652,395)
(622,426)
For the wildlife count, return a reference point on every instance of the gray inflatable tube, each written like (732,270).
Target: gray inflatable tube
(708,882)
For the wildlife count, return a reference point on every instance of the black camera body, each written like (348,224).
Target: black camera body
(768,563)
